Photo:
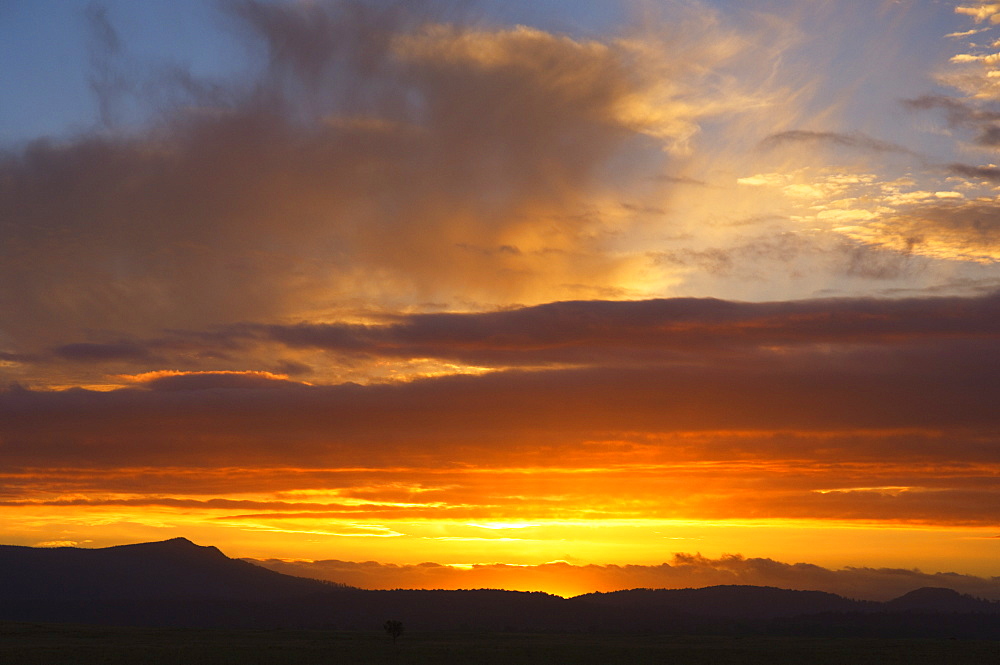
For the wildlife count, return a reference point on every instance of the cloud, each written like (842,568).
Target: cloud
(217,503)
(87,352)
(580,334)
(377,143)
(589,331)
(835,409)
(981,12)
(941,228)
(483,411)
(746,255)
(966,501)
(175,380)
(888,224)
(966,33)
(58,543)
(682,180)
(397,157)
(683,571)
(13,358)
(655,366)
(873,262)
(990,173)
(963,114)
(108,82)
(819,410)
(855,140)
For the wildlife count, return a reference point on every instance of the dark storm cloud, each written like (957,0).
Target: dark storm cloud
(378,140)
(587,331)
(583,333)
(945,382)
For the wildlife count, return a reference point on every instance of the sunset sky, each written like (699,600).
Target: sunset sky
(556,295)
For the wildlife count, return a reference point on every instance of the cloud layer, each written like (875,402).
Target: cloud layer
(839,409)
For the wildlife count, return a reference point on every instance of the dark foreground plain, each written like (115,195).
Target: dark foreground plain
(59,644)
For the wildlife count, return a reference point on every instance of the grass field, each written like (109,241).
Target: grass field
(53,644)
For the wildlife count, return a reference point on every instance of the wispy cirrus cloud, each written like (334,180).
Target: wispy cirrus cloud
(855,140)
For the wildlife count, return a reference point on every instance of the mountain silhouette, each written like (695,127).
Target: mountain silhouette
(178,583)
(171,569)
(936,599)
(731,601)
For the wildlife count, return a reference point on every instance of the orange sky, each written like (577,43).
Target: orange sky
(424,286)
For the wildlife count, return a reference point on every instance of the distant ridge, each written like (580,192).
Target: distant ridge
(936,599)
(169,569)
(178,583)
(732,601)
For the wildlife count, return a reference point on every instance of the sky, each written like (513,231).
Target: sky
(566,296)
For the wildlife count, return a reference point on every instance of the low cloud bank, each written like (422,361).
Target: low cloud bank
(683,571)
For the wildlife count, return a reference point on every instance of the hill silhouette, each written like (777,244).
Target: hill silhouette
(731,601)
(171,569)
(936,599)
(178,583)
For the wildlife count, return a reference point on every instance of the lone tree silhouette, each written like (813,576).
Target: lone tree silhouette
(394,628)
